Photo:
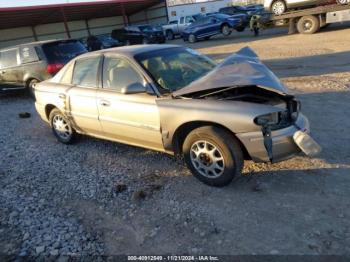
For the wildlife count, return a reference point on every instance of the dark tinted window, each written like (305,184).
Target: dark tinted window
(28,55)
(118,73)
(62,52)
(8,58)
(85,72)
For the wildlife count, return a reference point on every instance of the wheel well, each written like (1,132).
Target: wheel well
(48,109)
(183,130)
(28,81)
(224,25)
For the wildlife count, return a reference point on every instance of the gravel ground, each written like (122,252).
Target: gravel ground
(102,198)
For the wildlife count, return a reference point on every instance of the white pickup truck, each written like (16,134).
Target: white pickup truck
(176,27)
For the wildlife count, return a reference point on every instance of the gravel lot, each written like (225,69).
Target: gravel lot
(102,198)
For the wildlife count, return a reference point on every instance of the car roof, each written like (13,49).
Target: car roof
(36,43)
(131,50)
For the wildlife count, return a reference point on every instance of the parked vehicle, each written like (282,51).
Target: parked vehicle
(22,66)
(311,20)
(172,99)
(211,25)
(176,27)
(140,34)
(98,42)
(247,10)
(279,7)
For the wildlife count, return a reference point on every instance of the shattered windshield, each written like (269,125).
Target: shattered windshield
(175,68)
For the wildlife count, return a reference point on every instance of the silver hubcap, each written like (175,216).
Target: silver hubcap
(307,26)
(61,126)
(278,8)
(225,30)
(207,159)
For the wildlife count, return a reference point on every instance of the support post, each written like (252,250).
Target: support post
(87,27)
(65,22)
(34,33)
(125,18)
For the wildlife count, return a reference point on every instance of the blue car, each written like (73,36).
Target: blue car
(214,24)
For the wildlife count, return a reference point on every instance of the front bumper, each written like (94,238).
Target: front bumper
(283,145)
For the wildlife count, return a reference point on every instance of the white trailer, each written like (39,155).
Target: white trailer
(310,20)
(188,8)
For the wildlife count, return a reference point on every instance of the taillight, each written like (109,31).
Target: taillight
(53,68)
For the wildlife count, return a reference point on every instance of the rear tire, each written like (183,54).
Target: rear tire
(213,155)
(30,86)
(308,24)
(62,127)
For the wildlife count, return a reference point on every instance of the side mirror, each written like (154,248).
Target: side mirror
(213,21)
(133,88)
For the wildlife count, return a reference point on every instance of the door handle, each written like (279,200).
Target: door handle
(104,103)
(62,96)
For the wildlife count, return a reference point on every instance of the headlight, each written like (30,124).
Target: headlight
(268,119)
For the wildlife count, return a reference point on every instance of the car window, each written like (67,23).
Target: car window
(175,68)
(63,51)
(118,73)
(85,72)
(189,19)
(28,54)
(8,58)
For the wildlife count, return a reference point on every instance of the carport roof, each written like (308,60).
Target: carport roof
(12,17)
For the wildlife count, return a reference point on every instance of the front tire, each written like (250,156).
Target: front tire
(225,30)
(213,155)
(192,38)
(62,127)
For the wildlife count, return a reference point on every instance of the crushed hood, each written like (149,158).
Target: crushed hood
(243,68)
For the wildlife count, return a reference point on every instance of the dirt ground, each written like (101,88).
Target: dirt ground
(299,206)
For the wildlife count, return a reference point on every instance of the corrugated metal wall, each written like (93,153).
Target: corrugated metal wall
(78,29)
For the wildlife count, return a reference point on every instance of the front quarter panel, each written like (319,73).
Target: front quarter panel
(236,116)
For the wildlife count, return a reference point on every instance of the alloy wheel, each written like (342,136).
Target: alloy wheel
(207,159)
(278,7)
(62,127)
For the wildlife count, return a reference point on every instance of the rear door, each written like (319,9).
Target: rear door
(82,94)
(11,74)
(129,118)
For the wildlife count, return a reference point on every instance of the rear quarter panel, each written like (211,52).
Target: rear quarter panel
(47,94)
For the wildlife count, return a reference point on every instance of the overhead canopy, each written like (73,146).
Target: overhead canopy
(11,17)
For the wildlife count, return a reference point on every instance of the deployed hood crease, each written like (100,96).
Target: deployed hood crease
(243,68)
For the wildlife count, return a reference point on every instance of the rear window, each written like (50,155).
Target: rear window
(63,52)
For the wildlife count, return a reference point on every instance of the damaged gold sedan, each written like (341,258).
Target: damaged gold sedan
(172,99)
